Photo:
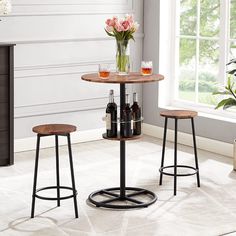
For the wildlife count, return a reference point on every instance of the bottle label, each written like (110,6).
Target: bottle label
(108,121)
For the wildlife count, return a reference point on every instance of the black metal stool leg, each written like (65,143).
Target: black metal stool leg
(72,175)
(175,157)
(163,149)
(35,176)
(57,171)
(195,153)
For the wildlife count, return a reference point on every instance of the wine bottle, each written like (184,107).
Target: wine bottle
(111,116)
(126,119)
(137,116)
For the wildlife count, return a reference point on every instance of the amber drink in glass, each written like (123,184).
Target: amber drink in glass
(146,67)
(104,71)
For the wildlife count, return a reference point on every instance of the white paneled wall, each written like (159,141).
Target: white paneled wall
(56,42)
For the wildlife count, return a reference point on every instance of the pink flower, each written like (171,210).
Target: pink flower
(115,27)
(111,22)
(119,27)
(115,19)
(126,25)
(130,19)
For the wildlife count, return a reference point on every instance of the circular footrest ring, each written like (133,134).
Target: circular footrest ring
(161,170)
(126,202)
(54,198)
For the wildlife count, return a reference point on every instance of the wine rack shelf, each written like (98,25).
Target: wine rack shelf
(119,121)
(122,138)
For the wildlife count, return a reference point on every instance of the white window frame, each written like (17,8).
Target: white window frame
(168,58)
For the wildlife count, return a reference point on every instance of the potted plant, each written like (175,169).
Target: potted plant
(230,88)
(230,91)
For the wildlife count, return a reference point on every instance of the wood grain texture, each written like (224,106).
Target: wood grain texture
(120,138)
(4,88)
(4,116)
(133,77)
(4,148)
(179,114)
(54,129)
(6,104)
(4,58)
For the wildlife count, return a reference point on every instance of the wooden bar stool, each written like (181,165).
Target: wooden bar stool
(56,130)
(176,115)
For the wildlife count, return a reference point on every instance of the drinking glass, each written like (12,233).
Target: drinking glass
(104,71)
(146,67)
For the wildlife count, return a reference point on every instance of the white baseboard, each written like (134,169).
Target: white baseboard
(26,144)
(210,145)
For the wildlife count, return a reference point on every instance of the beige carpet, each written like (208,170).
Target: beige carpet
(209,210)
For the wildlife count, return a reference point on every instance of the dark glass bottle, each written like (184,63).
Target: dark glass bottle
(137,116)
(111,116)
(126,119)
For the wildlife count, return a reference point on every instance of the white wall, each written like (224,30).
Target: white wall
(56,42)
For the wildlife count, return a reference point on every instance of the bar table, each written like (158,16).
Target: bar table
(122,197)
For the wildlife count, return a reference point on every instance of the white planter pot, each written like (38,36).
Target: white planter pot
(234,157)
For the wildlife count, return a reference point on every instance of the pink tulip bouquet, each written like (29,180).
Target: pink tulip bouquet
(122,30)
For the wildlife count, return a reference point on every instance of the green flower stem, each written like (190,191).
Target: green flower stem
(122,59)
(232,93)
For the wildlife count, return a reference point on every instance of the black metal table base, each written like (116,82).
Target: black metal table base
(128,201)
(122,197)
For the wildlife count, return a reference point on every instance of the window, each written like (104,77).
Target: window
(232,23)
(202,39)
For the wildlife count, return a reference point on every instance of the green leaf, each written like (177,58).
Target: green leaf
(231,72)
(221,93)
(132,37)
(221,103)
(229,103)
(226,103)
(231,61)
(112,35)
(229,82)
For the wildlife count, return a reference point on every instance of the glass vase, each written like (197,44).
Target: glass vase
(122,57)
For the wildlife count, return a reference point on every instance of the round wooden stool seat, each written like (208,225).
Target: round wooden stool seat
(54,129)
(179,114)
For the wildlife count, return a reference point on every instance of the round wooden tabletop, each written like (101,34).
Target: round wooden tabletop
(132,77)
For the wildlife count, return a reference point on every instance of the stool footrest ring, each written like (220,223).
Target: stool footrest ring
(54,198)
(161,170)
